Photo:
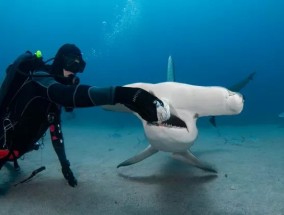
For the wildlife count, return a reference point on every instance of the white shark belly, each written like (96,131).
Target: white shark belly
(170,139)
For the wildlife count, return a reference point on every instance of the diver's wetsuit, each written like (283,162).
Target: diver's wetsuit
(37,105)
(31,101)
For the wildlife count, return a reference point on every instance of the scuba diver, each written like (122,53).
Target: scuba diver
(34,92)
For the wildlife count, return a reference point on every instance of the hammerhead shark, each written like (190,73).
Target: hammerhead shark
(187,104)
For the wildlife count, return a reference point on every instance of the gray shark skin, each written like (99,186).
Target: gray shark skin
(187,104)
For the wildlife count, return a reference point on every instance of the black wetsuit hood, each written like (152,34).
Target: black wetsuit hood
(68,57)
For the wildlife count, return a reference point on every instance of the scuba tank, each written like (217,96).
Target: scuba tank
(16,74)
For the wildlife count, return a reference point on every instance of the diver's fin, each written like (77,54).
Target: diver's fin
(150,150)
(189,158)
(170,71)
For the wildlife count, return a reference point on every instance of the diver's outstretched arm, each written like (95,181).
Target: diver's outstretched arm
(136,99)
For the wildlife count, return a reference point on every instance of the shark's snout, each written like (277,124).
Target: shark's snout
(235,102)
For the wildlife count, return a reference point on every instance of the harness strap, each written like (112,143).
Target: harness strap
(7,153)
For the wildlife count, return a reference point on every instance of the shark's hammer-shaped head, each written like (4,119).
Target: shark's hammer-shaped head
(210,101)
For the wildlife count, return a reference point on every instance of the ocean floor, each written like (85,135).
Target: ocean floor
(250,179)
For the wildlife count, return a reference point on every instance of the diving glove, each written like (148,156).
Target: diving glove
(68,175)
(148,106)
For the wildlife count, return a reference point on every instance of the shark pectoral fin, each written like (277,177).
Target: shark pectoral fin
(188,157)
(150,150)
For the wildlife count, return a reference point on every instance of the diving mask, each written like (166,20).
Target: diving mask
(74,63)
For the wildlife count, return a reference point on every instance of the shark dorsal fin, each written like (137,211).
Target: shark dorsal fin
(170,70)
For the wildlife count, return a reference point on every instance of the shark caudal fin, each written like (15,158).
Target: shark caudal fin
(170,70)
(237,87)
(150,150)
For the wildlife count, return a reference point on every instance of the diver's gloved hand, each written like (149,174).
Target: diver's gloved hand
(148,106)
(68,175)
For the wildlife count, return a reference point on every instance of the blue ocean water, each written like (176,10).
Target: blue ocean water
(212,42)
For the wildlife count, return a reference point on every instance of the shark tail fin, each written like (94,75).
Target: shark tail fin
(251,75)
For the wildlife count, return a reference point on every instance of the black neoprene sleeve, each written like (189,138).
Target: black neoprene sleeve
(80,95)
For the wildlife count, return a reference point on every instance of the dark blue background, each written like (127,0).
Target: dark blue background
(212,42)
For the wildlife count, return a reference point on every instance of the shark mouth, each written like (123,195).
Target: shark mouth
(172,122)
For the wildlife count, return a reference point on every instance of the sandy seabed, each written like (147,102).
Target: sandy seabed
(249,159)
